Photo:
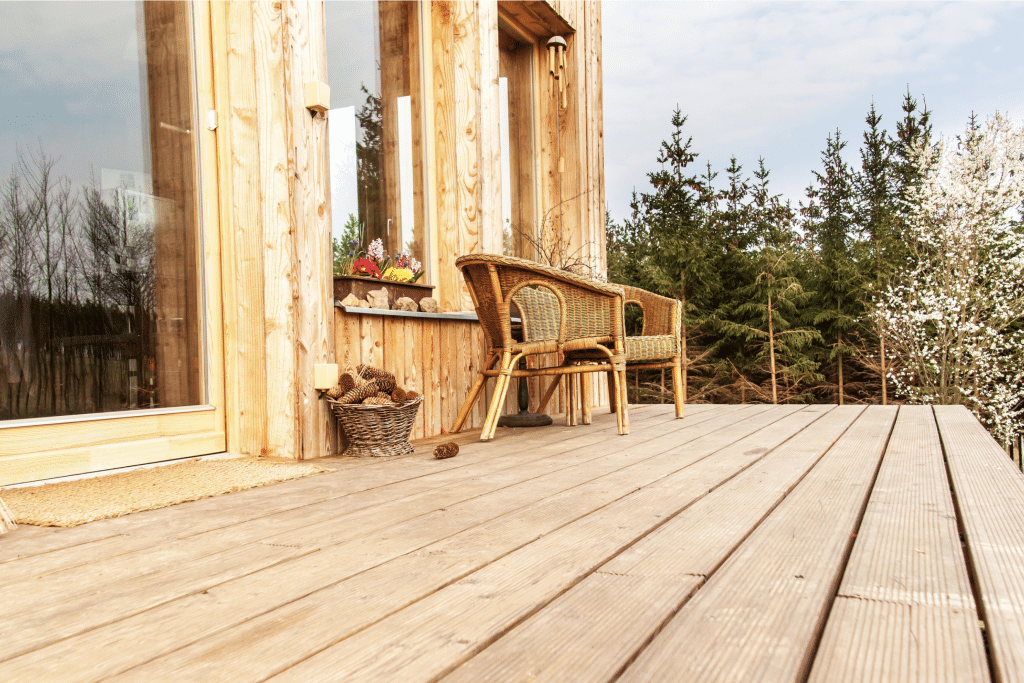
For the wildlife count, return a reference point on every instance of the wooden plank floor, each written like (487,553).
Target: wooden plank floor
(740,543)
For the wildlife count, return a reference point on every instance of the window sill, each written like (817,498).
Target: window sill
(463,317)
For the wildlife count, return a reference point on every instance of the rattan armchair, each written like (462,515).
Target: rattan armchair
(660,343)
(587,318)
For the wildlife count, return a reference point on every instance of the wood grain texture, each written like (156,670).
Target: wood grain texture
(467,81)
(761,610)
(340,537)
(446,190)
(989,495)
(592,631)
(306,60)
(242,256)
(280,287)
(906,599)
(548,554)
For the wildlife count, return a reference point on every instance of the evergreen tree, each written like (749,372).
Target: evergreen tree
(683,254)
(766,320)
(830,223)
(878,220)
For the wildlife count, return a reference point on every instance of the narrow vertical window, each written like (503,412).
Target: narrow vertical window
(376,127)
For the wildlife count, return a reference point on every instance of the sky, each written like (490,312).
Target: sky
(773,79)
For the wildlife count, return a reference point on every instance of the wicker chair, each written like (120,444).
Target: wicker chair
(587,318)
(660,343)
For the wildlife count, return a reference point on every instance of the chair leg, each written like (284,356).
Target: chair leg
(570,400)
(498,400)
(677,389)
(612,392)
(616,385)
(585,397)
(474,395)
(624,401)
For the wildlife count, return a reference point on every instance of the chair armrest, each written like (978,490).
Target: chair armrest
(662,315)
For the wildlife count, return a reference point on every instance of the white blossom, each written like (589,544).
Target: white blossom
(955,318)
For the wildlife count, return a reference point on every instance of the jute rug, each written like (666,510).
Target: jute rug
(70,503)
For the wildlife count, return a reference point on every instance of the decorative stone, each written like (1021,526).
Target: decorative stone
(405,304)
(378,298)
(362,304)
(351,301)
(446,450)
(428,304)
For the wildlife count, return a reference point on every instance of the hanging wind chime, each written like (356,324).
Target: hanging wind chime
(556,65)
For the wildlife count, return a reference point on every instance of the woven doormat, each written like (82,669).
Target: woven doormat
(70,503)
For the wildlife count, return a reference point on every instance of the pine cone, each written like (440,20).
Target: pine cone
(378,400)
(372,373)
(411,396)
(398,395)
(359,393)
(446,450)
(347,382)
(335,392)
(385,385)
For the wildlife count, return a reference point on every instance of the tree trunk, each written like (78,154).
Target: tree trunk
(839,364)
(885,381)
(771,352)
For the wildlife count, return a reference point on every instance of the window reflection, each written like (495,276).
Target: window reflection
(376,141)
(98,274)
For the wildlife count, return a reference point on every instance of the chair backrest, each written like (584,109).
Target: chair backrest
(539,311)
(662,315)
(583,309)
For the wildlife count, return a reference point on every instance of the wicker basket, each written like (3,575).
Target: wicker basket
(379,431)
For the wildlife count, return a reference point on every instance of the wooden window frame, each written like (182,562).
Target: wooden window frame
(44,448)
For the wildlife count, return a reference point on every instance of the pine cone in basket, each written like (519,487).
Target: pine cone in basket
(335,392)
(411,396)
(378,400)
(446,450)
(372,373)
(398,395)
(385,385)
(347,382)
(359,393)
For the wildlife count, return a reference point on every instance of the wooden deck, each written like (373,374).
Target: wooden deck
(740,543)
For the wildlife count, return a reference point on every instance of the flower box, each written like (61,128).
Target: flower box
(354,284)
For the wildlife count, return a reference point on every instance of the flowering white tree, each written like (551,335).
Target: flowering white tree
(956,319)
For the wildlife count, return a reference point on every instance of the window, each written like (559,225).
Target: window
(376,126)
(99,277)
(518,161)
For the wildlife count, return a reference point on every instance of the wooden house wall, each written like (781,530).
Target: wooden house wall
(275,215)
(275,224)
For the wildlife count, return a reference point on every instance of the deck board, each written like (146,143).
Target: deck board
(561,553)
(905,610)
(990,501)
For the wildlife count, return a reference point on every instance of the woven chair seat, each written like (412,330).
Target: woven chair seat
(654,348)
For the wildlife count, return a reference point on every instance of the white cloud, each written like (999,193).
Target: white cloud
(754,77)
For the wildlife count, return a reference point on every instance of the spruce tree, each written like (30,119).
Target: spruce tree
(683,256)
(830,223)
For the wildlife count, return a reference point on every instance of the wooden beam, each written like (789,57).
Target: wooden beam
(280,288)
